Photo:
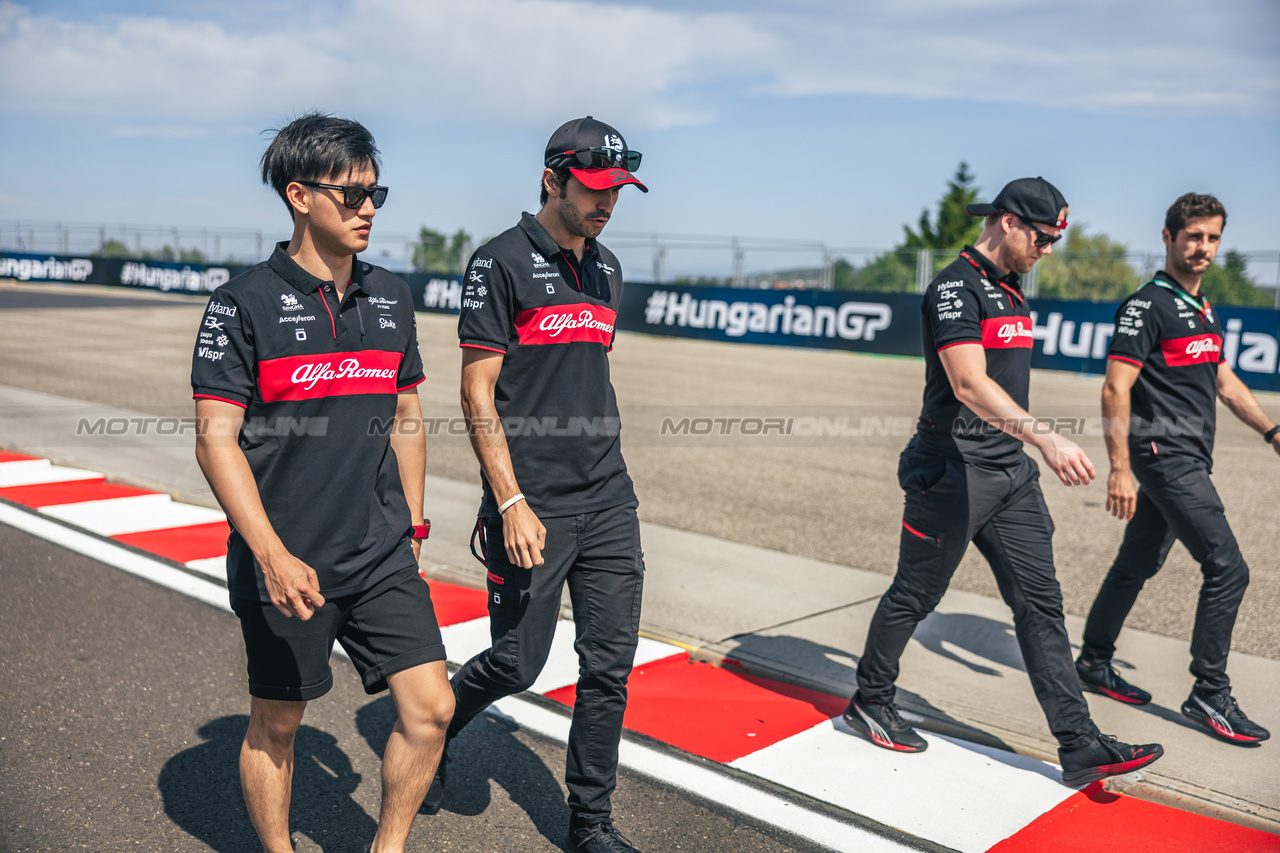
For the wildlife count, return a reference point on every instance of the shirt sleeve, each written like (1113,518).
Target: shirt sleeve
(1137,331)
(410,374)
(222,366)
(954,316)
(487,320)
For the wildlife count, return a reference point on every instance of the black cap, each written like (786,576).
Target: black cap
(1034,199)
(589,133)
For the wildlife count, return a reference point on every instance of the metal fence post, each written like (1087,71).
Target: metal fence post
(924,269)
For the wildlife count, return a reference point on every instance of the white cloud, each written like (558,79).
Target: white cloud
(513,62)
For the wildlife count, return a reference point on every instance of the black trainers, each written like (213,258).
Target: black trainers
(435,792)
(1102,678)
(598,837)
(1223,717)
(1105,757)
(881,723)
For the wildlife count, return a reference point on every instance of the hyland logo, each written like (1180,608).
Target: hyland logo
(539,262)
(219,308)
(289,302)
(487,263)
(602,265)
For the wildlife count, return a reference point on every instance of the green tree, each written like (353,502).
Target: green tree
(947,230)
(112,249)
(953,226)
(1087,266)
(435,252)
(1228,284)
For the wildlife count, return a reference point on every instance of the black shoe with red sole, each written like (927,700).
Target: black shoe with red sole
(1105,757)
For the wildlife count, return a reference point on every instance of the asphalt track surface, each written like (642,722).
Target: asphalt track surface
(123,709)
(838,502)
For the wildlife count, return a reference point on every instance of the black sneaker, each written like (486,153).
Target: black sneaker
(881,723)
(598,837)
(1102,678)
(1105,757)
(1223,717)
(435,792)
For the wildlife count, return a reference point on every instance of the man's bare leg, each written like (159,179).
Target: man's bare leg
(424,705)
(266,769)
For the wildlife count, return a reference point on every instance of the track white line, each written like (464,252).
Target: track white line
(698,779)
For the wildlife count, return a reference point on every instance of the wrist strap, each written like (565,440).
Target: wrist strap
(420,531)
(510,502)
(1270,434)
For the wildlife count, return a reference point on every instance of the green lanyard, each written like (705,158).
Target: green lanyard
(1202,306)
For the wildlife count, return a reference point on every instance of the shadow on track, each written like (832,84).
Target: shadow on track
(486,751)
(201,791)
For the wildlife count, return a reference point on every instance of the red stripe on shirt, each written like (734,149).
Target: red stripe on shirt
(566,324)
(308,377)
(220,399)
(1128,360)
(1007,333)
(1193,349)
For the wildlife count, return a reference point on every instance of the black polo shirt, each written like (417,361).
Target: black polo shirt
(553,319)
(973,301)
(318,382)
(1177,341)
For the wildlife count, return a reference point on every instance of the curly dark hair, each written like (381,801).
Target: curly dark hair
(1192,206)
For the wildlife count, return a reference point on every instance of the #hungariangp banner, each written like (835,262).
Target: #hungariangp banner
(1067,335)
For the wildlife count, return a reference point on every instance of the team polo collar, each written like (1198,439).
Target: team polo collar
(289,270)
(988,268)
(547,245)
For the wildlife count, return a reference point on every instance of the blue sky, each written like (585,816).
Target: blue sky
(810,120)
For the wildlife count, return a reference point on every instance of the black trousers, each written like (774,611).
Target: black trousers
(598,554)
(1001,510)
(1187,509)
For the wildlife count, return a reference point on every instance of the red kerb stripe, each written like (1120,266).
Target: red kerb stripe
(308,377)
(17,457)
(181,544)
(566,324)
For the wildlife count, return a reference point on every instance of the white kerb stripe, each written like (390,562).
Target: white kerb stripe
(117,556)
(132,515)
(214,567)
(34,471)
(561,669)
(832,763)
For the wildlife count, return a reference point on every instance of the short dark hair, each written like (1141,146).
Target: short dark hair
(314,147)
(1192,206)
(560,177)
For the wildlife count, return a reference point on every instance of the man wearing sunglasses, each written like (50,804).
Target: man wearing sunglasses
(537,324)
(967,479)
(305,377)
(1167,365)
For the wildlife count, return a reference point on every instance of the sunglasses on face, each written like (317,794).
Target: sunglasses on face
(605,158)
(1042,239)
(353,197)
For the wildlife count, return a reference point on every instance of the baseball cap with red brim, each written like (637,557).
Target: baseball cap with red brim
(594,153)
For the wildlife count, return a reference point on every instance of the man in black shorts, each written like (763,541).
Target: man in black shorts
(537,324)
(967,479)
(1166,371)
(305,377)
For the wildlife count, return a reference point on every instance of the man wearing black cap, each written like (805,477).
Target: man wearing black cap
(967,479)
(1166,366)
(537,323)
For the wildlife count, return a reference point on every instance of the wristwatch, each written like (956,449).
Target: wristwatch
(420,531)
(1270,434)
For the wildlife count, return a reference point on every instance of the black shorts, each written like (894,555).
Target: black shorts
(384,630)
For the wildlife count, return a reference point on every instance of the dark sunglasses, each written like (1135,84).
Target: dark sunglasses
(353,197)
(605,158)
(1042,239)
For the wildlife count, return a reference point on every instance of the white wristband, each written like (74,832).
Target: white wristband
(510,502)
